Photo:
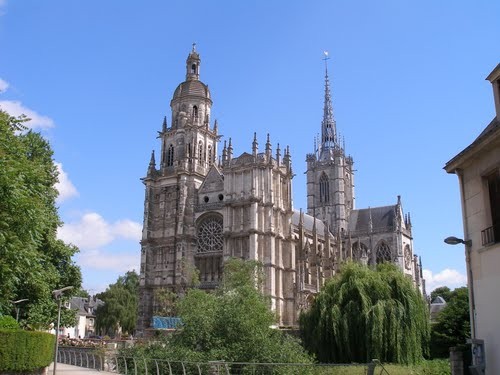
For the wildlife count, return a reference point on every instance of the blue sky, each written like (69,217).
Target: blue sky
(408,86)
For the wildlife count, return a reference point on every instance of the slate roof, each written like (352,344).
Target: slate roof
(308,222)
(382,218)
(490,130)
(85,306)
(437,305)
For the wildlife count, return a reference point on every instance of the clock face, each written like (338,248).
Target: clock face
(407,257)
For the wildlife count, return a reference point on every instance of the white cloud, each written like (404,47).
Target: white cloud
(15,108)
(99,254)
(447,277)
(4,85)
(128,229)
(92,231)
(64,186)
(103,260)
(3,5)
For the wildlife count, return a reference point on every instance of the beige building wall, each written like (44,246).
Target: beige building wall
(478,167)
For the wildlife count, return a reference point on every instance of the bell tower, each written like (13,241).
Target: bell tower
(330,177)
(188,152)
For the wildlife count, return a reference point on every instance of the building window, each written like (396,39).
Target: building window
(383,253)
(210,237)
(200,151)
(193,69)
(491,234)
(210,154)
(408,257)
(195,112)
(170,156)
(359,251)
(324,189)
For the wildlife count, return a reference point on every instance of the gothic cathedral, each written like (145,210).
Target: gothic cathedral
(200,209)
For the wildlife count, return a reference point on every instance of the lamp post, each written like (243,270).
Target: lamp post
(58,296)
(470,281)
(15,303)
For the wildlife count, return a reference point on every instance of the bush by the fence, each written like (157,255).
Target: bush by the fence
(8,322)
(25,351)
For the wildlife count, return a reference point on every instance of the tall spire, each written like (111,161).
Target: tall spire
(328,125)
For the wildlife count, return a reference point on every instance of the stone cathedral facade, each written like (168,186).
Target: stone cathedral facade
(201,208)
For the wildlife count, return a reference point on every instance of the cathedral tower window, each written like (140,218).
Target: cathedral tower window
(195,112)
(383,253)
(170,156)
(209,154)
(324,189)
(200,151)
(209,235)
(193,69)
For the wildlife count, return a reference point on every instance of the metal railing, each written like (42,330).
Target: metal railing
(150,366)
(490,235)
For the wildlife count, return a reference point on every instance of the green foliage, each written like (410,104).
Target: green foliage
(165,302)
(453,324)
(442,291)
(232,324)
(25,351)
(8,322)
(120,305)
(32,261)
(364,313)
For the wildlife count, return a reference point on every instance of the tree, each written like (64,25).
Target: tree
(33,262)
(233,324)
(442,291)
(120,305)
(365,313)
(453,324)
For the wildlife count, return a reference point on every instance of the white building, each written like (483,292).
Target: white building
(478,171)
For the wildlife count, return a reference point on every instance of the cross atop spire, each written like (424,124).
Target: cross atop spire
(328,125)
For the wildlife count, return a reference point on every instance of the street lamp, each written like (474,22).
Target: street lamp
(472,303)
(58,296)
(15,303)
(455,241)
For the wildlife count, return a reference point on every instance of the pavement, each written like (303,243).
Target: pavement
(63,369)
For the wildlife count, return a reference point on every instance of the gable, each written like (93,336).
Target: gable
(214,181)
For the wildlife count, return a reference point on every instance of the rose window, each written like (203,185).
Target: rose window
(210,237)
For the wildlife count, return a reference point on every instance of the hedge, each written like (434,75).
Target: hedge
(25,351)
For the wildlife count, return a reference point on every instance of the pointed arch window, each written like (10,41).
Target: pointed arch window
(210,160)
(324,189)
(383,253)
(170,156)
(359,251)
(200,151)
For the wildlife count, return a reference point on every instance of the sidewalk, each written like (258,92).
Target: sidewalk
(63,369)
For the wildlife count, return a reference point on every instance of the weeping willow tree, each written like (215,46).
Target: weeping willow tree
(365,313)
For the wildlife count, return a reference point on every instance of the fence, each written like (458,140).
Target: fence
(149,366)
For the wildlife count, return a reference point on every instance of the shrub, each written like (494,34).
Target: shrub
(24,351)
(8,322)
